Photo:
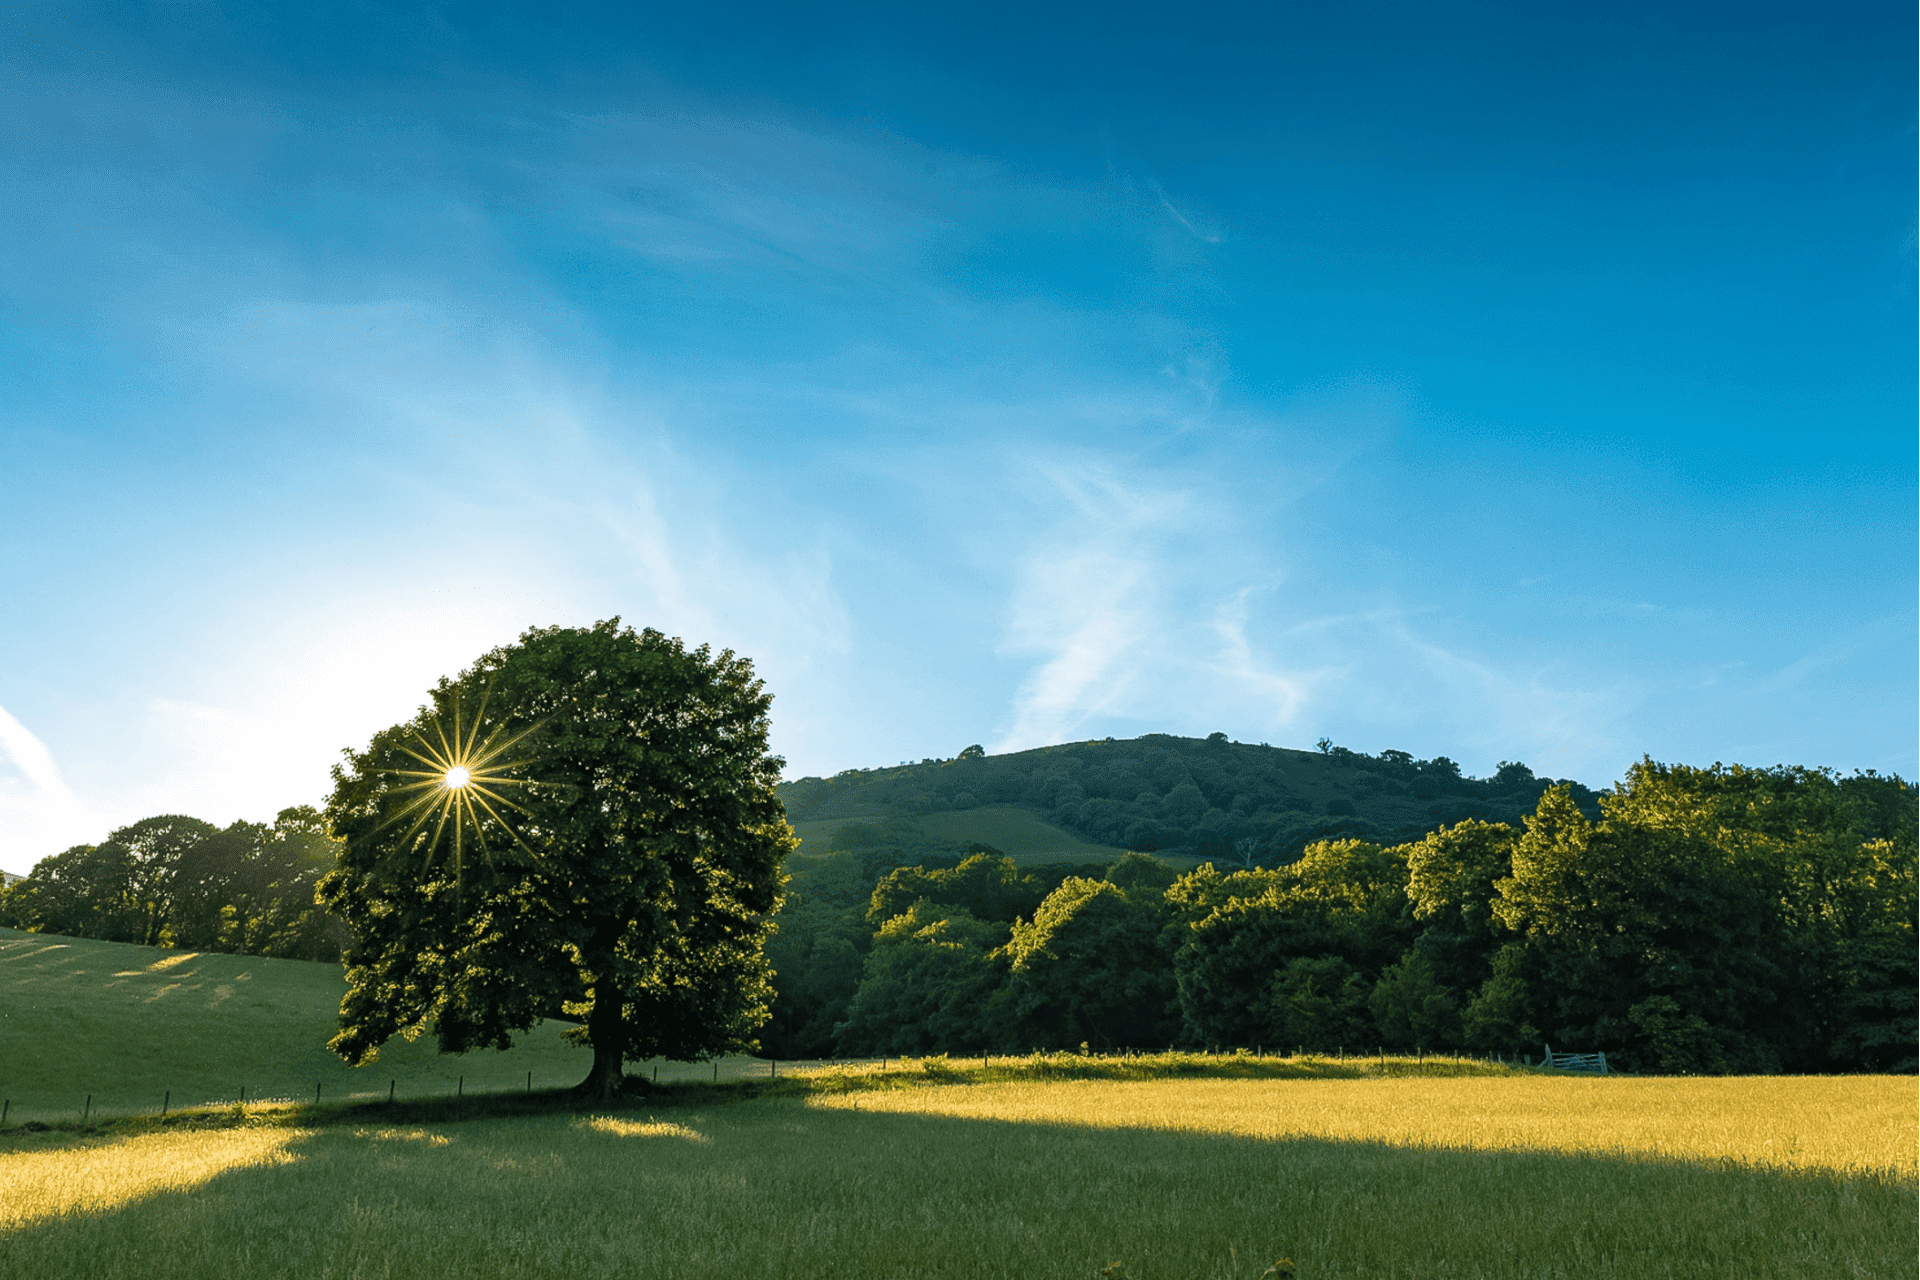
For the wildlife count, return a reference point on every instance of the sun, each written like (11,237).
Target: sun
(460,786)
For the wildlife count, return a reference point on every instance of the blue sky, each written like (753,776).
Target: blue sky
(1494,382)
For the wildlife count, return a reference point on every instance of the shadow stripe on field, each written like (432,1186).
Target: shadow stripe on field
(776,1188)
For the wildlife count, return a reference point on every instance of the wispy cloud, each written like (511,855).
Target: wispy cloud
(31,757)
(1206,235)
(39,813)
(1832,654)
(1285,692)
(1087,599)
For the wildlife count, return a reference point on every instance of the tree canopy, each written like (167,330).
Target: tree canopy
(613,859)
(176,881)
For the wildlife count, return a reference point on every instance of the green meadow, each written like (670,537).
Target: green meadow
(1051,1165)
(1448,1175)
(132,1025)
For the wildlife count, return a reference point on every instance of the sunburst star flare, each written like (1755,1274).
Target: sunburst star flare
(460,785)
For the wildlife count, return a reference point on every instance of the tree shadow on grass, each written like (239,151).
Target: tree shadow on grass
(778,1188)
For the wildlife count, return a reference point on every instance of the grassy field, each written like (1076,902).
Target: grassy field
(1017,832)
(1057,1166)
(129,1025)
(1499,1175)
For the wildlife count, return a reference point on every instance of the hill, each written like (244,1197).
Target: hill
(1185,799)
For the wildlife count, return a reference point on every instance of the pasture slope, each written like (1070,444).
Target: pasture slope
(1019,833)
(130,1025)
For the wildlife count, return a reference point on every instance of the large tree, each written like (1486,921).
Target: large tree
(582,827)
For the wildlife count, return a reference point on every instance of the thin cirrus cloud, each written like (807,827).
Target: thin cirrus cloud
(1111,606)
(38,811)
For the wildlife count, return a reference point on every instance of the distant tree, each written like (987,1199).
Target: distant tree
(986,885)
(1501,1015)
(974,752)
(1411,1008)
(1089,968)
(153,849)
(282,911)
(817,966)
(1833,861)
(250,889)
(1512,774)
(927,986)
(1451,875)
(1344,898)
(1320,1002)
(1141,872)
(179,882)
(84,892)
(616,866)
(216,887)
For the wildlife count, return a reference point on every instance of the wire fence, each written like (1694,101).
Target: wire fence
(120,1103)
(88,1107)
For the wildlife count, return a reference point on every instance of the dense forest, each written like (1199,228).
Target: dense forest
(1690,920)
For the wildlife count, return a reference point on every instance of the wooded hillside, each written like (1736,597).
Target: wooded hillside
(1244,803)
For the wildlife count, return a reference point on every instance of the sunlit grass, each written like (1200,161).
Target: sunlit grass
(102,1175)
(1845,1124)
(1500,1176)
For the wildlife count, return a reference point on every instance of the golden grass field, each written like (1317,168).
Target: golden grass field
(1855,1125)
(1497,1175)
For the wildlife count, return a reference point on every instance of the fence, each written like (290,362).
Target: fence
(84,1106)
(17,1111)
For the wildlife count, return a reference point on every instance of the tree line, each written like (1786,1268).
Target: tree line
(1710,920)
(1723,919)
(1241,803)
(176,881)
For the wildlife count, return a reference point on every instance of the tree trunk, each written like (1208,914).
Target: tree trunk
(607,1030)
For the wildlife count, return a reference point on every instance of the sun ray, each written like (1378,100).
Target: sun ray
(439,732)
(478,719)
(482,801)
(461,786)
